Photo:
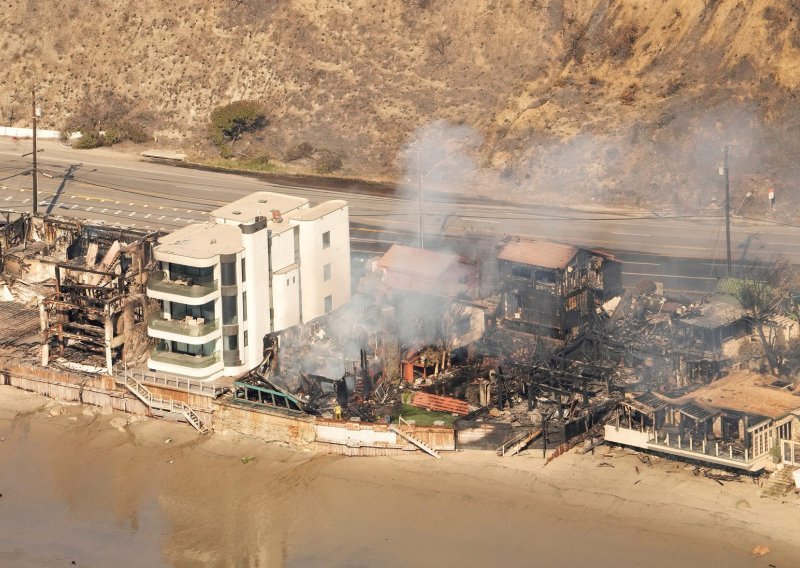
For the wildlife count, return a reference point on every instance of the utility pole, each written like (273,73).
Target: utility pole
(34,170)
(727,206)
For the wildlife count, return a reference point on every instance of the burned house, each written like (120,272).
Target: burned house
(550,288)
(92,280)
(707,334)
(433,296)
(737,421)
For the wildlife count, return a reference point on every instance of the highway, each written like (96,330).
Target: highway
(684,249)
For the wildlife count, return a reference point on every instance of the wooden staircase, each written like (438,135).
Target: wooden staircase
(518,442)
(165,404)
(419,443)
(779,483)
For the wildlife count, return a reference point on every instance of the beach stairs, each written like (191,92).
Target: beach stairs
(418,443)
(779,483)
(518,442)
(164,404)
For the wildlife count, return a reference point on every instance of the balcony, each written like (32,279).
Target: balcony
(184,364)
(716,452)
(160,287)
(183,330)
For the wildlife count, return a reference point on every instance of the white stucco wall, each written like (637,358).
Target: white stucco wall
(314,257)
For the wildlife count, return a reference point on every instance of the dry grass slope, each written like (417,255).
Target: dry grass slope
(626,100)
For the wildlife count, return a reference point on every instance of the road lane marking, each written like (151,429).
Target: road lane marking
(647,263)
(670,276)
(631,234)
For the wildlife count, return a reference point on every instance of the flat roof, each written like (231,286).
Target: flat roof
(721,309)
(258,204)
(201,241)
(320,210)
(747,392)
(423,263)
(533,252)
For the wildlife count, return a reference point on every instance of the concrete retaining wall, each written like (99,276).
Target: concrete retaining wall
(28,133)
(92,391)
(296,430)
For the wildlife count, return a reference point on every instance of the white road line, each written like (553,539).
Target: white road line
(118,212)
(647,263)
(631,234)
(147,216)
(669,276)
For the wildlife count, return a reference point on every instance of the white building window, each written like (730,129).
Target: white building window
(326,272)
(326,239)
(328,303)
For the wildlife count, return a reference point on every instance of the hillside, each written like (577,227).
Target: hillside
(626,101)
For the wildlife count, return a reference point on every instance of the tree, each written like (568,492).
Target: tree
(229,122)
(762,291)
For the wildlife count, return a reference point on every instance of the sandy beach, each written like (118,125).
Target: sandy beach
(120,490)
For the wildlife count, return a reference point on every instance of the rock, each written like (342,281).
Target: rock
(73,418)
(495,412)
(55,411)
(105,410)
(760,550)
(87,412)
(168,441)
(743,504)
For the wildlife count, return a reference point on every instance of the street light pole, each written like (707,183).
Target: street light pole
(727,207)
(34,171)
(421,204)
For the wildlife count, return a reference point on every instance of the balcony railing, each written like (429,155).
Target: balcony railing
(724,449)
(184,359)
(191,327)
(159,282)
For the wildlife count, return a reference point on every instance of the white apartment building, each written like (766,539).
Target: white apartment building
(260,265)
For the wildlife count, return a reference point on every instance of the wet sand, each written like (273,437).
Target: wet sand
(108,490)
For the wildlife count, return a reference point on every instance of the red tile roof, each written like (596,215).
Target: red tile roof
(426,263)
(422,270)
(545,254)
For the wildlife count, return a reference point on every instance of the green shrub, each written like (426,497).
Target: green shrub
(88,141)
(229,122)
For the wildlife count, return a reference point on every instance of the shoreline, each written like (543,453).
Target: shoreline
(189,500)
